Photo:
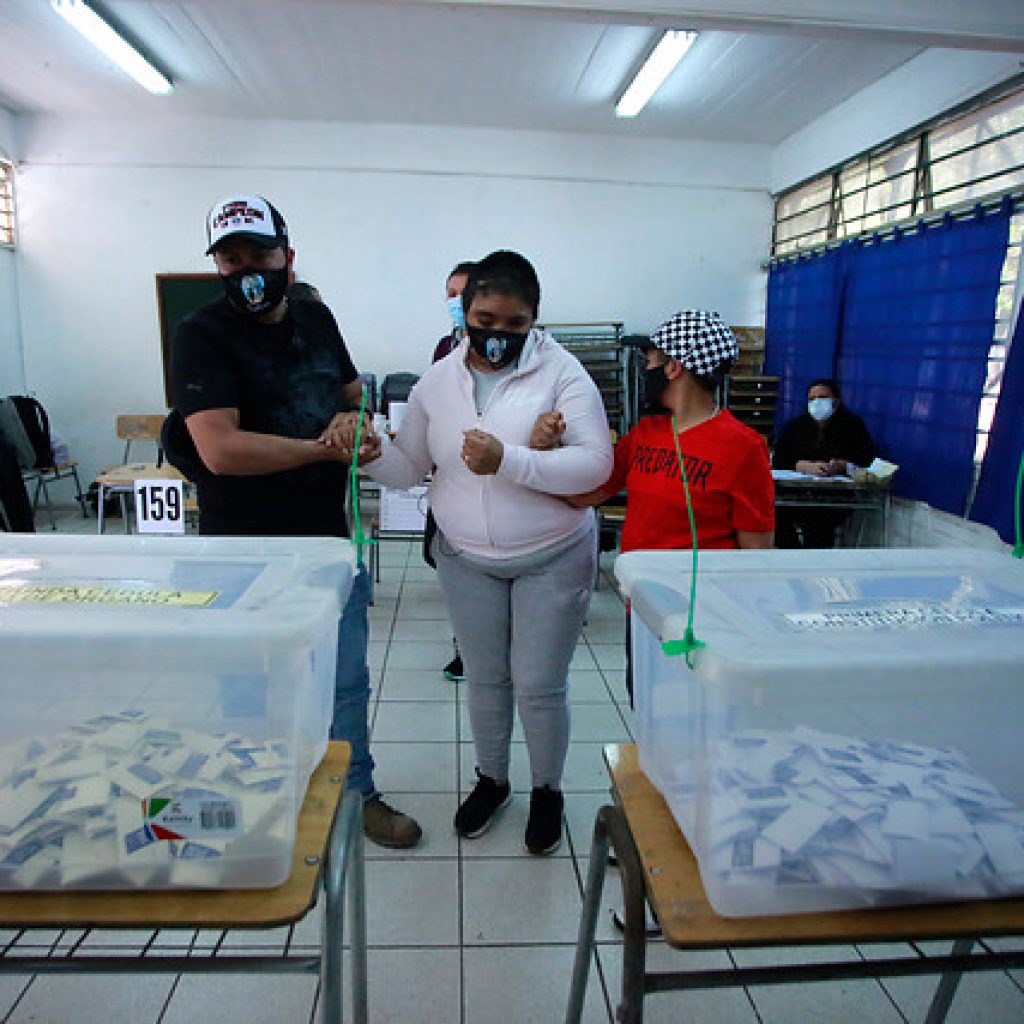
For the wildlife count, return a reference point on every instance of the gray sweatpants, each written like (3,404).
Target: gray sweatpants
(517,626)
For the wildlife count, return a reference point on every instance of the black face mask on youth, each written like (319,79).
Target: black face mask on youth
(655,383)
(499,348)
(254,292)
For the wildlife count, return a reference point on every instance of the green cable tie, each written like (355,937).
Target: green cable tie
(360,539)
(686,646)
(689,643)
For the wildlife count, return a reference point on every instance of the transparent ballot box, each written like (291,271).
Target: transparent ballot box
(851,733)
(163,704)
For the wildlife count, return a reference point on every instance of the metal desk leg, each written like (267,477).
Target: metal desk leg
(588,918)
(611,826)
(346,851)
(943,998)
(634,939)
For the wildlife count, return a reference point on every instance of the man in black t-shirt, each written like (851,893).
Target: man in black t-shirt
(257,380)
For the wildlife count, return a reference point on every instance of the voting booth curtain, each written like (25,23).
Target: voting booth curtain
(904,321)
(802,326)
(994,501)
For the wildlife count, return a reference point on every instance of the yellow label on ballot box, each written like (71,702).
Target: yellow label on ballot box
(106,595)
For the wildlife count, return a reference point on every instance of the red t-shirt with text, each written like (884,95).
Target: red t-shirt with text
(727,468)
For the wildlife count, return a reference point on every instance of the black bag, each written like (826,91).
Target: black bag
(14,499)
(12,432)
(37,426)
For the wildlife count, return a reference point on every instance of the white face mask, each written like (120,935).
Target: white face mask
(456,312)
(821,408)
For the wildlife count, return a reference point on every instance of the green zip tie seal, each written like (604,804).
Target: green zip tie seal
(689,642)
(359,539)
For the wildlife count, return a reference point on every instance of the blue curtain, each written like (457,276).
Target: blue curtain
(913,322)
(802,326)
(994,502)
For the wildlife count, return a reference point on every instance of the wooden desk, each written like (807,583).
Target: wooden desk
(655,861)
(828,492)
(328,844)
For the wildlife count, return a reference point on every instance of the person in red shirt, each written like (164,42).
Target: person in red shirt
(726,463)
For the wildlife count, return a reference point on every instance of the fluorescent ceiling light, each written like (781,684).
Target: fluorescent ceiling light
(671,49)
(105,39)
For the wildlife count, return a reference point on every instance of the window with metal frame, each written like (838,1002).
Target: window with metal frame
(6,203)
(972,154)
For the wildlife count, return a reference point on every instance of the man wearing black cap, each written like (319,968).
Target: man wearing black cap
(257,381)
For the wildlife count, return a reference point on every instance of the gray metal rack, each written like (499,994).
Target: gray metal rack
(598,346)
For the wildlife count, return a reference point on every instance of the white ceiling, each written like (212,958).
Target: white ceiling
(554,66)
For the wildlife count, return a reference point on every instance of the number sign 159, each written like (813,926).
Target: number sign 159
(159,506)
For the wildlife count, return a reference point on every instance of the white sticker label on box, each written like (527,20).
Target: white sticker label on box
(905,616)
(210,816)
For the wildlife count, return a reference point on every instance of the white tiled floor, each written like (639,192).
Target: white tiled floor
(478,932)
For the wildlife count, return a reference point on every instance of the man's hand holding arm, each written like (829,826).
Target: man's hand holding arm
(228,450)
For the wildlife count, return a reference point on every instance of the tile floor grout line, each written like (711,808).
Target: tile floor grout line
(881,982)
(746,990)
(21,995)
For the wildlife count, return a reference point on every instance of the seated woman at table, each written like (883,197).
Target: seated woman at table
(825,440)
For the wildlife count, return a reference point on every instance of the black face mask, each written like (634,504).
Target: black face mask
(655,383)
(499,348)
(255,292)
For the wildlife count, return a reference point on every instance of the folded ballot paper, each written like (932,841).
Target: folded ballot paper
(878,472)
(877,820)
(130,800)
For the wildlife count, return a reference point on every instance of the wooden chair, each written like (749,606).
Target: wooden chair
(120,480)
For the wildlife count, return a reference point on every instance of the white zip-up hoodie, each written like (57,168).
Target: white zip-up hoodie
(517,510)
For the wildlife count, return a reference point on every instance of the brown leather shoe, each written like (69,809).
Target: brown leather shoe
(385,826)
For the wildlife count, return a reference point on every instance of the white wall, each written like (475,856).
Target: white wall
(922,88)
(628,231)
(11,369)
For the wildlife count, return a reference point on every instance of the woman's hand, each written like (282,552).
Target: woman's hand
(547,431)
(340,435)
(481,452)
(812,468)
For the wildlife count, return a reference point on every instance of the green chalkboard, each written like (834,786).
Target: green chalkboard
(176,296)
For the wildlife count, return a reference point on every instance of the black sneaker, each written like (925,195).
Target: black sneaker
(544,827)
(453,670)
(478,811)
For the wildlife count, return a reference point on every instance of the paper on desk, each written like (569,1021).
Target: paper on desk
(792,476)
(882,470)
(396,414)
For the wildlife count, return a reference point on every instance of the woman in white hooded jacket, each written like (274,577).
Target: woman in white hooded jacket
(516,562)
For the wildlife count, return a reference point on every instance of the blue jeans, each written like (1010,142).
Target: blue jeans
(352,685)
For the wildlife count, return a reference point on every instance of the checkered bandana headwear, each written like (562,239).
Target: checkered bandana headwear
(698,339)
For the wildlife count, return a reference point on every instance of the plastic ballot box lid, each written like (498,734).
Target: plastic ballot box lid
(882,608)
